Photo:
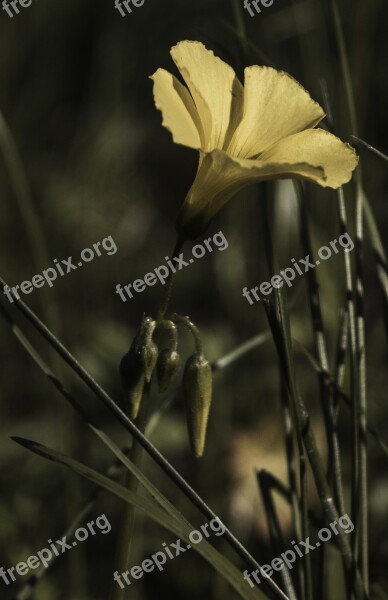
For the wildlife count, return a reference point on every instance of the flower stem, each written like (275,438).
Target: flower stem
(167,290)
(136,456)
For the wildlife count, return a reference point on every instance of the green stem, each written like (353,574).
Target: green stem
(300,516)
(361,490)
(167,290)
(280,323)
(127,522)
(238,352)
(193,330)
(278,545)
(362,401)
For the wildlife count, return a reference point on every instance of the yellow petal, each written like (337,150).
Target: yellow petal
(180,116)
(319,148)
(221,176)
(275,106)
(212,84)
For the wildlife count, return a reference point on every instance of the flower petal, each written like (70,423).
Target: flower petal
(275,106)
(221,176)
(180,116)
(213,85)
(319,148)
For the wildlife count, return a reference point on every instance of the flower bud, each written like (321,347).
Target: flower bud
(133,379)
(167,367)
(197,393)
(149,357)
(138,364)
(147,348)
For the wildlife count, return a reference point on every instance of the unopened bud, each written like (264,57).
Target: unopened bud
(149,357)
(197,392)
(147,348)
(133,379)
(167,367)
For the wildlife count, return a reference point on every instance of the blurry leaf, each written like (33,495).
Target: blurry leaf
(175,525)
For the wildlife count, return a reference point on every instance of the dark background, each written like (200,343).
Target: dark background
(76,94)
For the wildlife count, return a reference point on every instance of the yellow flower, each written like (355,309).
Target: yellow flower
(261,131)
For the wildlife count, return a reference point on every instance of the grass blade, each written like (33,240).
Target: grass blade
(175,525)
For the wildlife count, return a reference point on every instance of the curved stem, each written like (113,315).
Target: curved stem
(193,330)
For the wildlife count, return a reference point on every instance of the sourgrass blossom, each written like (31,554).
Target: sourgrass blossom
(244,134)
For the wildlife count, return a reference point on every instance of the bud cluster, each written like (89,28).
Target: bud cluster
(147,355)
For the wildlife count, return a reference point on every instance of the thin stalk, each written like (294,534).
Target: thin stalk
(167,290)
(281,328)
(241,350)
(334,470)
(344,67)
(282,338)
(361,397)
(363,417)
(379,255)
(330,382)
(351,309)
(319,337)
(291,458)
(275,531)
(371,148)
(193,330)
(301,520)
(127,522)
(339,373)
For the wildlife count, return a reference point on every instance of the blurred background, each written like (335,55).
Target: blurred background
(75,93)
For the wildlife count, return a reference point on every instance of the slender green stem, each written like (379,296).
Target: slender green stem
(362,402)
(193,330)
(300,520)
(331,382)
(167,290)
(278,545)
(241,350)
(342,345)
(131,483)
(334,470)
(127,521)
(351,309)
(279,322)
(361,490)
(291,458)
(371,148)
(345,66)
(380,257)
